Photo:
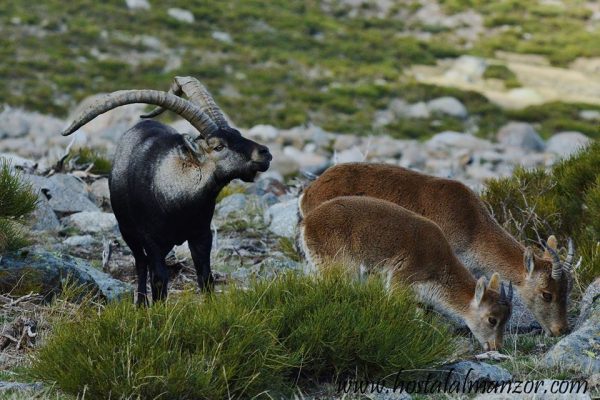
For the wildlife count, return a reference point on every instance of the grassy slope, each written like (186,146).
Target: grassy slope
(289,62)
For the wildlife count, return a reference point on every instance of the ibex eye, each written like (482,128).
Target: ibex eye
(547,296)
(493,321)
(219,147)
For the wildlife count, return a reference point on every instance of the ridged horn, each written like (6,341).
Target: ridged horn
(199,94)
(510,292)
(557,268)
(570,256)
(185,108)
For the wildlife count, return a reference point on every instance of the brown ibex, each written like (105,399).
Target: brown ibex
(476,238)
(381,236)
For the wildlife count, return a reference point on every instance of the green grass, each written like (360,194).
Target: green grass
(86,157)
(242,343)
(503,73)
(564,201)
(17,200)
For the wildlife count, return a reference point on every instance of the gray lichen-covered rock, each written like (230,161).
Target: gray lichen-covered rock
(43,217)
(40,271)
(449,106)
(520,134)
(232,203)
(473,371)
(92,221)
(65,193)
(580,350)
(283,218)
(565,144)
(591,293)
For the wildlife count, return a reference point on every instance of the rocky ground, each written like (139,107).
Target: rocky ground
(75,233)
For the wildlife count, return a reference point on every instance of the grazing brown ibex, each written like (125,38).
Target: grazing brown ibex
(381,236)
(476,238)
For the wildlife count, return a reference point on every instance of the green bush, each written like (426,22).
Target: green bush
(564,201)
(85,157)
(17,200)
(242,343)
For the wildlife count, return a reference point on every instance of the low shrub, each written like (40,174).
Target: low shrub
(86,157)
(17,200)
(242,343)
(564,201)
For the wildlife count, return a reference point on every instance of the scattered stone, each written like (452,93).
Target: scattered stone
(474,371)
(232,203)
(66,194)
(220,36)
(80,241)
(283,218)
(40,271)
(466,69)
(265,133)
(19,163)
(522,97)
(457,139)
(267,186)
(565,144)
(592,292)
(449,106)
(311,162)
(15,123)
(580,350)
(348,156)
(181,15)
(520,134)
(6,386)
(43,217)
(417,110)
(590,115)
(92,221)
(137,4)
(100,192)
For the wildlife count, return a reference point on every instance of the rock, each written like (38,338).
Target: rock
(417,110)
(466,69)
(66,194)
(181,15)
(40,271)
(92,221)
(232,203)
(286,166)
(283,218)
(543,393)
(43,217)
(79,241)
(15,123)
(523,97)
(474,371)
(565,144)
(19,163)
(137,4)
(449,106)
(580,350)
(267,185)
(590,115)
(348,156)
(383,118)
(311,162)
(265,133)
(100,192)
(343,142)
(591,293)
(220,36)
(520,134)
(457,139)
(6,386)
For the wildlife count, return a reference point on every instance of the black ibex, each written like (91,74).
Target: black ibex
(163,185)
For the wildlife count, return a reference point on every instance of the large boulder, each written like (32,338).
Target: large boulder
(92,221)
(283,218)
(565,144)
(522,135)
(579,351)
(587,301)
(456,139)
(43,217)
(16,123)
(65,193)
(40,271)
(449,106)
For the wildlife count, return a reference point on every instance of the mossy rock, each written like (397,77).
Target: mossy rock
(40,271)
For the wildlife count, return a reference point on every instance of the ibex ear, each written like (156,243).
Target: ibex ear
(479,290)
(553,244)
(194,144)
(528,260)
(494,282)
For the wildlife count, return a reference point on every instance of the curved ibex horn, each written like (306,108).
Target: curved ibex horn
(557,268)
(570,256)
(199,94)
(185,108)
